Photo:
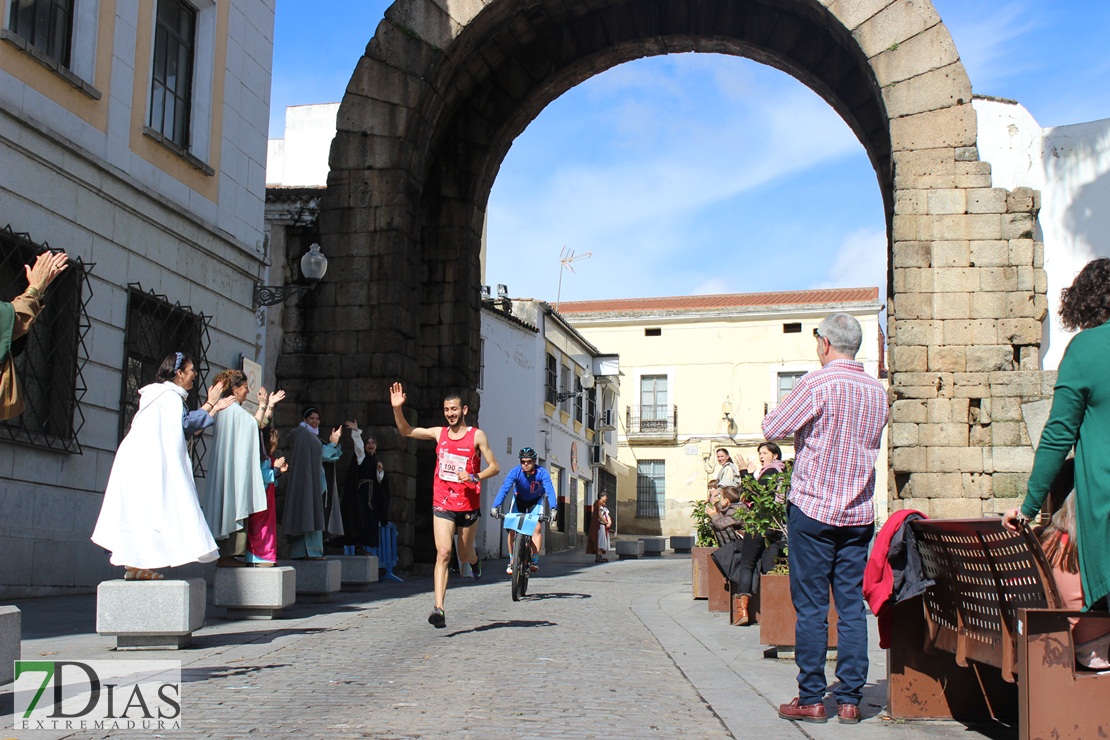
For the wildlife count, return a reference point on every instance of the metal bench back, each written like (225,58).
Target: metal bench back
(983,574)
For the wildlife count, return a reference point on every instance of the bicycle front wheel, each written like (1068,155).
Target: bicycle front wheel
(522,557)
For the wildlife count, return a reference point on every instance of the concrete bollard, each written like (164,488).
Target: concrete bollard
(629,549)
(654,546)
(255,593)
(11,633)
(357,571)
(150,615)
(682,543)
(317,580)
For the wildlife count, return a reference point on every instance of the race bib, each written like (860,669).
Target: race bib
(450,466)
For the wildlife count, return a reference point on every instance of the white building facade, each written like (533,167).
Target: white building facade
(132,136)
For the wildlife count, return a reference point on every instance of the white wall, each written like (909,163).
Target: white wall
(301,158)
(1070,166)
(511,396)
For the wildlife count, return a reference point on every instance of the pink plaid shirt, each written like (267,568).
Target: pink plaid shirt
(837,415)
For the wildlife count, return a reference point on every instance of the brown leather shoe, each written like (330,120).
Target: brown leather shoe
(848,714)
(803,712)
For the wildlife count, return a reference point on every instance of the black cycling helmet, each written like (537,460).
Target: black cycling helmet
(527,452)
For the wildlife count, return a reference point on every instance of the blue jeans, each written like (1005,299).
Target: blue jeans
(822,555)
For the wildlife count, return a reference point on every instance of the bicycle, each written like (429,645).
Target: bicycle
(524,524)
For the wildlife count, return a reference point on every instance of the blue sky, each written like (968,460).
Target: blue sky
(687,174)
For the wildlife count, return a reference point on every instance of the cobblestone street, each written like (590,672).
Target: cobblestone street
(615,650)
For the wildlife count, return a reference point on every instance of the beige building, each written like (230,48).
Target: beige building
(700,372)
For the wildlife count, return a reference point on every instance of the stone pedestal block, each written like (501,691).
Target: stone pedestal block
(150,615)
(255,593)
(682,543)
(10,635)
(654,546)
(317,580)
(629,549)
(358,571)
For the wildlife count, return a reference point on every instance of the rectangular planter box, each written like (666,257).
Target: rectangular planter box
(777,617)
(699,559)
(718,588)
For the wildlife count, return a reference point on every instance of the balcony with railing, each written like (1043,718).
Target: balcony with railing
(651,423)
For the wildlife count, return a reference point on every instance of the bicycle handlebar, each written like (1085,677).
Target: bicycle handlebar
(498,514)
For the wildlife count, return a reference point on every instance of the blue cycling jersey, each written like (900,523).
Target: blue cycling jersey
(527,489)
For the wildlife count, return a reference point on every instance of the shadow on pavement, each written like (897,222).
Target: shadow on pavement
(502,625)
(205,641)
(556,595)
(189,675)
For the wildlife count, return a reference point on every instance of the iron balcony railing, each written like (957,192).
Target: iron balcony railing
(654,421)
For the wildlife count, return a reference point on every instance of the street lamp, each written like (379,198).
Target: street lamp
(313,266)
(726,410)
(587,383)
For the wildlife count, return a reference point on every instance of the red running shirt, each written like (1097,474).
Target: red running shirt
(452,455)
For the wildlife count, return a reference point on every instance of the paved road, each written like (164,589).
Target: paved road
(618,650)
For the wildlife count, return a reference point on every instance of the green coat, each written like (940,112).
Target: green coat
(1081,417)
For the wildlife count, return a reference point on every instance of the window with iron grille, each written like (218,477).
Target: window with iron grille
(45,24)
(651,489)
(50,358)
(551,380)
(564,387)
(578,406)
(157,328)
(171,87)
(591,408)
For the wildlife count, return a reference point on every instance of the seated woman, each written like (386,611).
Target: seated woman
(758,546)
(1091,636)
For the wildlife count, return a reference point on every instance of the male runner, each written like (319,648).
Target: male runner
(528,482)
(456,488)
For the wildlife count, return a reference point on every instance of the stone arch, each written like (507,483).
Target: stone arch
(446,85)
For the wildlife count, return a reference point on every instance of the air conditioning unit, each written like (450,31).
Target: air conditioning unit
(597,456)
(608,420)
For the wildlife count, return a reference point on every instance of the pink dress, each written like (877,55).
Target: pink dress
(262,525)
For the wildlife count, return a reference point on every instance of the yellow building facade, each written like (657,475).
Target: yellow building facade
(699,373)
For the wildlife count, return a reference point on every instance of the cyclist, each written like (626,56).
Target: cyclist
(528,482)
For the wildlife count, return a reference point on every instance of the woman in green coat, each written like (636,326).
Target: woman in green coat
(1080,417)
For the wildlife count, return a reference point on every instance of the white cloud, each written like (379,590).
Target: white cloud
(646,169)
(860,262)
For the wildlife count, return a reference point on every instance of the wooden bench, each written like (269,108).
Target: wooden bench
(990,640)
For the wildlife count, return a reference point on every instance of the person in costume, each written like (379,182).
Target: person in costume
(262,525)
(365,500)
(150,517)
(234,488)
(305,516)
(597,541)
(16,319)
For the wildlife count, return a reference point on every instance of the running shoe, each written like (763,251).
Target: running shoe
(437,618)
(476,570)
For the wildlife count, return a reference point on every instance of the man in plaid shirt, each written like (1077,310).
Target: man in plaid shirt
(837,415)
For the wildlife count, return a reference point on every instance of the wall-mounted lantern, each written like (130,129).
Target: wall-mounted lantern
(313,267)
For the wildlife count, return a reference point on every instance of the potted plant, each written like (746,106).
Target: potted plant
(766,512)
(705,544)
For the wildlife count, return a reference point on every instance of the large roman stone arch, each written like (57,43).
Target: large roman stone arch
(446,85)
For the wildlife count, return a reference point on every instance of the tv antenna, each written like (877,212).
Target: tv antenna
(566,259)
